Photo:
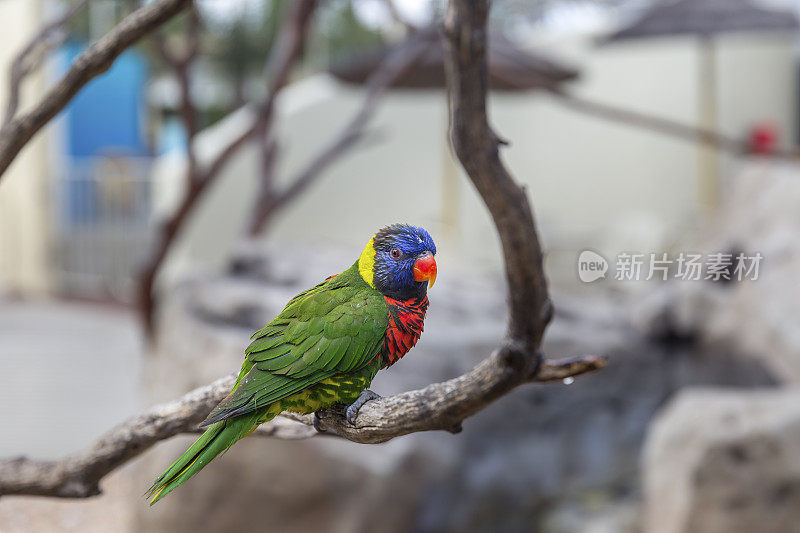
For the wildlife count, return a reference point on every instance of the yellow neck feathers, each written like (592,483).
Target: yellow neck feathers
(366,263)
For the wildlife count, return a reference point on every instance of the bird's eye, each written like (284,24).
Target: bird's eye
(395,253)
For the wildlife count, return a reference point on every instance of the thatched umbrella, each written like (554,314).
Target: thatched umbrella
(510,69)
(706,19)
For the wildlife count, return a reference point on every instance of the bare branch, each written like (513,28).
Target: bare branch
(283,428)
(559,369)
(477,148)
(661,125)
(181,66)
(394,66)
(443,406)
(440,406)
(92,62)
(282,59)
(193,35)
(31,56)
(78,476)
(397,17)
(216,166)
(264,203)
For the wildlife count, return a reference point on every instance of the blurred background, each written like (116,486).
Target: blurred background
(133,269)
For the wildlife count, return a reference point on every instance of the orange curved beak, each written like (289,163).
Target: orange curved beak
(425,269)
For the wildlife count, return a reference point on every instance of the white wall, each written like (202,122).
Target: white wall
(23,188)
(592,183)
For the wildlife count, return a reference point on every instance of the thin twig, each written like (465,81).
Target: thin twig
(48,38)
(283,58)
(394,12)
(662,125)
(181,66)
(393,67)
(559,369)
(89,64)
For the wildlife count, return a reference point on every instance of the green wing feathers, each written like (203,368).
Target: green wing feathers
(331,329)
(214,441)
(336,327)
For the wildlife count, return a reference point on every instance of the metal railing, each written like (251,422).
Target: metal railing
(102,225)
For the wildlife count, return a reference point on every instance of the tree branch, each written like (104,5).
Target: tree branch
(282,59)
(397,17)
(90,63)
(476,146)
(181,66)
(394,66)
(440,406)
(31,56)
(79,475)
(443,406)
(661,125)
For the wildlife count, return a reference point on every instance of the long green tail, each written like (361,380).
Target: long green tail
(215,440)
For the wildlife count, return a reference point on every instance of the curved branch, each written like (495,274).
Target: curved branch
(402,57)
(78,476)
(443,406)
(181,65)
(662,125)
(31,56)
(440,406)
(89,64)
(282,58)
(476,146)
(394,12)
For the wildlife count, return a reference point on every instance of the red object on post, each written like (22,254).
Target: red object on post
(763,138)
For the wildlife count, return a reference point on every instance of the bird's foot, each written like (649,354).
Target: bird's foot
(352,410)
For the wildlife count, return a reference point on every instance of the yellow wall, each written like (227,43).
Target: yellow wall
(23,188)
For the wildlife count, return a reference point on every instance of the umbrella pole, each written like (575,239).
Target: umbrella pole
(707,160)
(451,198)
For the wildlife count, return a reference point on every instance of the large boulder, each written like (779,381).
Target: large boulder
(759,215)
(535,458)
(721,461)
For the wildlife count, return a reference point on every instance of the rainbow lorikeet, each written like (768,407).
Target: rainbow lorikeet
(325,347)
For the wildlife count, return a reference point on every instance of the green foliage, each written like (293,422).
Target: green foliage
(343,31)
(241,48)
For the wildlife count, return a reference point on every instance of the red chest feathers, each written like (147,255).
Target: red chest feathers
(405,327)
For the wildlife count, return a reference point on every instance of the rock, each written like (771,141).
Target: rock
(759,215)
(516,463)
(720,461)
(598,514)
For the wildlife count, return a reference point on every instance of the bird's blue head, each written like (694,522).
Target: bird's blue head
(398,261)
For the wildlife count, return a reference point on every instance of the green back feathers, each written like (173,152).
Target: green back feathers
(333,328)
